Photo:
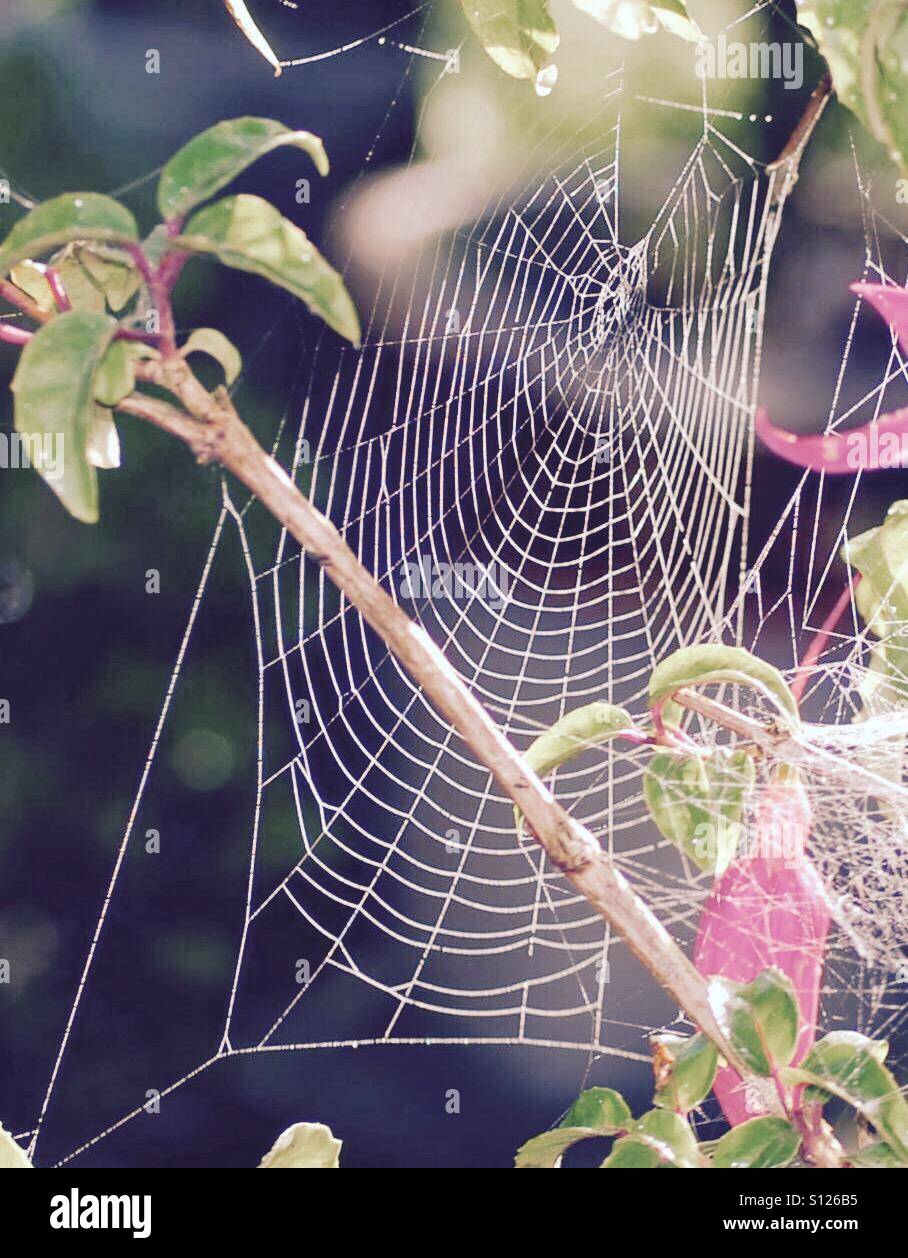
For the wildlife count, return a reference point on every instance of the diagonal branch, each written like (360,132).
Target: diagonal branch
(788,163)
(211,427)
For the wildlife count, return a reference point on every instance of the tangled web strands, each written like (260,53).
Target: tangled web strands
(539,401)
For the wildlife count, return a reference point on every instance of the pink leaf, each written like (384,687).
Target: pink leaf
(891,302)
(883,443)
(768,908)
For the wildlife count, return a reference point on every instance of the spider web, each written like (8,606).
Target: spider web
(568,416)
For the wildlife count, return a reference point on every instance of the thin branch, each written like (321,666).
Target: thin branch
(790,157)
(214,431)
(162,414)
(800,136)
(159,287)
(751,730)
(800,750)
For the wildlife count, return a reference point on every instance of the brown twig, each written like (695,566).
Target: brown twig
(813,112)
(211,427)
(801,749)
(789,160)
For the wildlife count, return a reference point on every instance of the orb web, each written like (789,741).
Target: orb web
(544,451)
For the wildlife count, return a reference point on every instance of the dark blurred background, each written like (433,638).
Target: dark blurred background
(86,653)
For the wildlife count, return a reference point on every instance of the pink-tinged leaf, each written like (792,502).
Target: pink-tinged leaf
(891,302)
(769,908)
(883,443)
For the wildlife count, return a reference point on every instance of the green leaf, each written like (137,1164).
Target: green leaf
(881,597)
(857,1076)
(881,556)
(571,735)
(835,1051)
(757,1143)
(303,1147)
(685,1069)
(30,278)
(110,270)
(216,345)
(698,802)
(102,447)
(603,1110)
(837,1045)
(658,1140)
(889,111)
(877,1157)
(115,378)
(81,290)
(762,1019)
(251,235)
(72,216)
(596,1112)
(12,1157)
(544,1153)
(214,158)
(574,733)
(93,278)
(715,664)
(674,17)
(671,1137)
(630,1154)
(519,35)
(865,43)
(632,19)
(54,404)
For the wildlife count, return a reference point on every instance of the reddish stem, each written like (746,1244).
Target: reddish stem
(159,286)
(14,335)
(57,288)
(159,281)
(143,266)
(171,266)
(133,334)
(18,336)
(16,297)
(670,735)
(819,641)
